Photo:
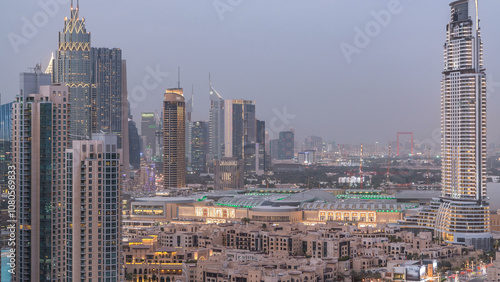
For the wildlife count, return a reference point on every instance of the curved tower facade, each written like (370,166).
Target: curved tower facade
(463,214)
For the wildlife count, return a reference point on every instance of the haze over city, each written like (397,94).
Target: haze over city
(286,55)
(250,141)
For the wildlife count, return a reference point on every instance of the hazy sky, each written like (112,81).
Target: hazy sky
(284,54)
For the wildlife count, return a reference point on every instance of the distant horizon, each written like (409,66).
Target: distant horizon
(295,68)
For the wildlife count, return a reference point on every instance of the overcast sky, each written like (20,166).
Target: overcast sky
(284,54)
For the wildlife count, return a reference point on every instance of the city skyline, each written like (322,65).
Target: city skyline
(278,84)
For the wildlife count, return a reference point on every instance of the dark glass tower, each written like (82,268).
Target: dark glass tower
(73,66)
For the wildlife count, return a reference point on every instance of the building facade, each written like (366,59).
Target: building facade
(40,138)
(463,131)
(286,145)
(199,146)
(174,139)
(461,215)
(93,194)
(229,174)
(216,125)
(149,125)
(72,66)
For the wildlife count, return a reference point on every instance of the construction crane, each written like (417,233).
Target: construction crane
(389,162)
(361,166)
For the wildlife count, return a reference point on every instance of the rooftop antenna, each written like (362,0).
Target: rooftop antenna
(179,77)
(71,4)
(209,80)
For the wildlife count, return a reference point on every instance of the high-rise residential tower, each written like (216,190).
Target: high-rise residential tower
(174,139)
(93,193)
(461,215)
(40,132)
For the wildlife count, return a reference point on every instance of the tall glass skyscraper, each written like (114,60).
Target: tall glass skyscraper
(107,97)
(216,125)
(72,66)
(461,215)
(174,139)
(199,146)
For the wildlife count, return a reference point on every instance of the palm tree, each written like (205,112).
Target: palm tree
(246,220)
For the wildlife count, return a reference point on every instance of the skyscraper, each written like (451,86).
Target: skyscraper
(149,127)
(216,125)
(41,134)
(174,139)
(461,215)
(93,193)
(72,66)
(286,145)
(107,96)
(261,147)
(199,146)
(240,127)
(134,145)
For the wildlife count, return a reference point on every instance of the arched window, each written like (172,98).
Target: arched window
(140,270)
(135,270)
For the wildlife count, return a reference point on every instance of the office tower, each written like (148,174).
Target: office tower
(286,145)
(93,197)
(216,125)
(134,145)
(240,132)
(199,146)
(107,96)
(461,215)
(73,66)
(149,127)
(261,147)
(40,137)
(274,148)
(229,174)
(174,139)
